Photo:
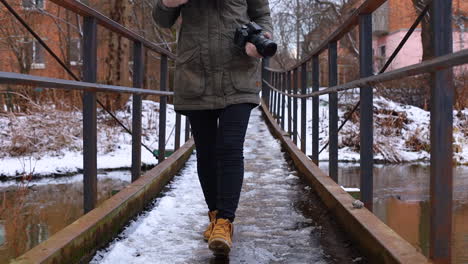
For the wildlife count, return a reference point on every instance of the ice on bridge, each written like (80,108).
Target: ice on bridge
(268,229)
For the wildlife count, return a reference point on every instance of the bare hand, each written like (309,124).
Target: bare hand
(173,3)
(251,50)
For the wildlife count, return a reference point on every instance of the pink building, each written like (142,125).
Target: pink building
(392,21)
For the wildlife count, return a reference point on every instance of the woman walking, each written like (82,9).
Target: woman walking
(217,84)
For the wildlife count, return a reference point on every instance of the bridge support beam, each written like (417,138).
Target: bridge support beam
(272,93)
(283,100)
(89,115)
(278,98)
(178,123)
(273,103)
(187,129)
(265,76)
(138,71)
(303,107)
(442,97)
(315,109)
(366,111)
(333,111)
(162,109)
(295,88)
(289,100)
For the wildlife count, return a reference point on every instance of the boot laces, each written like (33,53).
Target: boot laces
(222,228)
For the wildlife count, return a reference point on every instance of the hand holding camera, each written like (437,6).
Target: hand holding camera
(173,3)
(251,50)
(256,43)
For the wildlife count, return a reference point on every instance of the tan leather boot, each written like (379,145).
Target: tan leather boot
(220,241)
(209,229)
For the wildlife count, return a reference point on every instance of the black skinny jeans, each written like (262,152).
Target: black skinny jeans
(219,140)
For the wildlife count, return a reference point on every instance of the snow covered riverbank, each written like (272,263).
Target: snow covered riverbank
(401,132)
(50,142)
(42,157)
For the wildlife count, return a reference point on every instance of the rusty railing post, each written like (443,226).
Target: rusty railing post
(278,103)
(271,92)
(187,129)
(178,122)
(283,100)
(442,98)
(162,110)
(303,107)
(333,111)
(366,111)
(275,84)
(295,88)
(89,115)
(280,87)
(275,101)
(272,95)
(288,87)
(138,71)
(315,109)
(266,77)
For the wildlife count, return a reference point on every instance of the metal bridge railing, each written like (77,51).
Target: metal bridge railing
(280,87)
(91,19)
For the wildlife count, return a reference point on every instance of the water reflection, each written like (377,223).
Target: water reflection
(2,234)
(401,200)
(31,212)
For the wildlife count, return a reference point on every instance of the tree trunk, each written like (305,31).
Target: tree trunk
(426,42)
(117,59)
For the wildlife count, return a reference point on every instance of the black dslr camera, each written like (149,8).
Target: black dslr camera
(252,33)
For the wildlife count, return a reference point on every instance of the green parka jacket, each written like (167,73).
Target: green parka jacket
(211,72)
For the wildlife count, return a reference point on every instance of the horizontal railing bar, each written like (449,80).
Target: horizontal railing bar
(84,10)
(436,64)
(46,82)
(352,21)
(274,70)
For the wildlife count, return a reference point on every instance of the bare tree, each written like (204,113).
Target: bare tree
(14,38)
(301,25)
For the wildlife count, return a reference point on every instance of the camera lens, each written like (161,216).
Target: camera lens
(269,48)
(265,47)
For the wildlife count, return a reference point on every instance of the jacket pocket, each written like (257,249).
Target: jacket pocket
(247,80)
(189,75)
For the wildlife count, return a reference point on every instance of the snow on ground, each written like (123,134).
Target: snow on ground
(267,228)
(114,144)
(398,129)
(401,134)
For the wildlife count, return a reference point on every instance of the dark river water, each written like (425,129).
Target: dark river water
(32,212)
(401,200)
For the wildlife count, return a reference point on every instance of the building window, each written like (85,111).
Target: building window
(33,4)
(75,52)
(383,52)
(35,54)
(381,56)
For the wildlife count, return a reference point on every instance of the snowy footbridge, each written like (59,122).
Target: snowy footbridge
(269,228)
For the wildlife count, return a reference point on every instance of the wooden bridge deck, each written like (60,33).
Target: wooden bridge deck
(270,226)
